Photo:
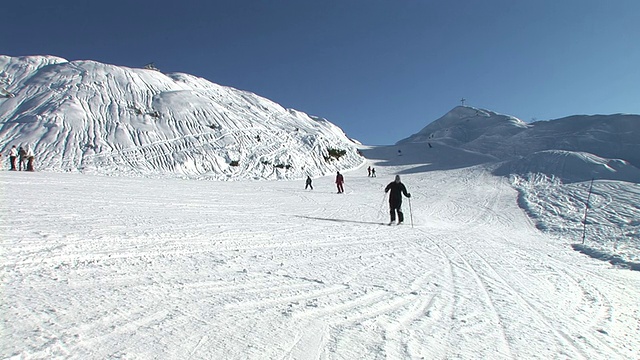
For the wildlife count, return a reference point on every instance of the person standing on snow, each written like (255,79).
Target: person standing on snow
(30,158)
(22,153)
(13,154)
(339,182)
(308,183)
(395,190)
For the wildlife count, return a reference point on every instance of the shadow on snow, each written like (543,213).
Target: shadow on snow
(338,220)
(600,255)
(438,157)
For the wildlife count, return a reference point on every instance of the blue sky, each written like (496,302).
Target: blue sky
(379,69)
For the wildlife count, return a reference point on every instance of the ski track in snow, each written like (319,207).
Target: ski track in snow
(109,267)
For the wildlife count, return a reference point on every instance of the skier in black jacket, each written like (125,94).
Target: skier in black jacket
(396,189)
(308,183)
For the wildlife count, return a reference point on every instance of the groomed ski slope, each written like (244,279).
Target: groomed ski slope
(100,267)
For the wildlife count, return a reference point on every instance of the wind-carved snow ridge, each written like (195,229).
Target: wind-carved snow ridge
(92,117)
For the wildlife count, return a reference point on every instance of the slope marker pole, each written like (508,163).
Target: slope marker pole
(410,213)
(586,209)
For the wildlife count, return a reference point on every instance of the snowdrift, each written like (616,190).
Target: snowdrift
(93,117)
(571,167)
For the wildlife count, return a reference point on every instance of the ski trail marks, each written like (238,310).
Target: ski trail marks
(182,269)
(475,295)
(310,343)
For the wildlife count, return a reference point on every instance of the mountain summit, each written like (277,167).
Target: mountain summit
(574,148)
(93,117)
(465,125)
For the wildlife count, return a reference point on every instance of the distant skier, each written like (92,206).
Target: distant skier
(396,189)
(373,172)
(30,158)
(369,171)
(308,183)
(22,158)
(13,154)
(339,182)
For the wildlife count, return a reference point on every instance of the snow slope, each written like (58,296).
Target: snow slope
(570,166)
(544,146)
(98,118)
(98,267)
(551,164)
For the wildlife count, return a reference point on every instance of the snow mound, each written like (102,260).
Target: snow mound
(608,136)
(93,117)
(571,166)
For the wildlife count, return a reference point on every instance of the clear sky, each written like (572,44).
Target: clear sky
(379,69)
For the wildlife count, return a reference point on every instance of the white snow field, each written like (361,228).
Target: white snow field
(107,267)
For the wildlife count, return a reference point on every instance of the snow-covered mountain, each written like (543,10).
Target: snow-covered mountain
(575,148)
(98,118)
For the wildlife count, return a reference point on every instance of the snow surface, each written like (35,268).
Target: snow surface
(97,267)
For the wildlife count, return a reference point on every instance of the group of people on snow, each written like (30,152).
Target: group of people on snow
(395,189)
(339,183)
(24,157)
(371,171)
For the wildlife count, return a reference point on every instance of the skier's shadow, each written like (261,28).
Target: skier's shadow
(338,220)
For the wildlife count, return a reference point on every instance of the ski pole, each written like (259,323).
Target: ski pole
(410,213)
(384,196)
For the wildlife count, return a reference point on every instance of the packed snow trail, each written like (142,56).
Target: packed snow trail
(113,267)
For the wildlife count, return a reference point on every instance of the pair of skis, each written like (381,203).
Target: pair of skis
(392,222)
